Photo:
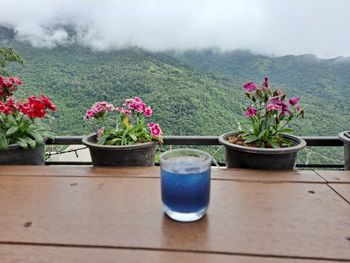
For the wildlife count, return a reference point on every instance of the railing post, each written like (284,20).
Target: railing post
(345,138)
(347,156)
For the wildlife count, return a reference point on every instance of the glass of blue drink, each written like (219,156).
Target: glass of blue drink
(185,183)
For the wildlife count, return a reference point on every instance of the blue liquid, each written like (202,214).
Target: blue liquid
(185,193)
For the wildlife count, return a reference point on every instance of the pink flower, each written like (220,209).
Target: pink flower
(122,110)
(100,132)
(250,86)
(137,100)
(156,131)
(273,106)
(135,104)
(294,101)
(251,111)
(139,107)
(89,114)
(148,112)
(265,85)
(98,110)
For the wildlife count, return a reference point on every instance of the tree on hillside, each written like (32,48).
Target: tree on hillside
(8,55)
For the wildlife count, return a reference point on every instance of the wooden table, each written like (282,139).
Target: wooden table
(84,214)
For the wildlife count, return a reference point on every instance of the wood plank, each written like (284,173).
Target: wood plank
(44,254)
(343,190)
(300,176)
(335,176)
(302,220)
(154,172)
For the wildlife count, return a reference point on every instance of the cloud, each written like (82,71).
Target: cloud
(276,27)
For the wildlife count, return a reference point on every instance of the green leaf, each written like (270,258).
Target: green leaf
(116,141)
(37,136)
(30,142)
(251,138)
(12,130)
(103,139)
(133,137)
(273,143)
(3,143)
(22,143)
(262,133)
(123,142)
(286,130)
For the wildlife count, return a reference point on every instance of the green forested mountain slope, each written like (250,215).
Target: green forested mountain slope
(323,85)
(193,92)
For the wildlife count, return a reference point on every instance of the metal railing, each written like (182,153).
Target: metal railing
(317,141)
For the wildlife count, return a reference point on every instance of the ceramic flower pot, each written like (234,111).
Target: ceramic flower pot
(16,155)
(141,154)
(345,138)
(238,156)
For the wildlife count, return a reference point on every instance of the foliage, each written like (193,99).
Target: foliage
(193,92)
(8,55)
(131,127)
(269,115)
(20,120)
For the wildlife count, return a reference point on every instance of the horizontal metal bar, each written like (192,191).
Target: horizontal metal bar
(302,166)
(66,163)
(320,165)
(65,140)
(191,140)
(325,141)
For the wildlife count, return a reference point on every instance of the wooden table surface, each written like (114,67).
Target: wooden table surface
(86,214)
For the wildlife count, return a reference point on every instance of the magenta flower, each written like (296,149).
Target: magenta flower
(122,110)
(273,106)
(156,131)
(265,85)
(294,101)
(148,112)
(132,115)
(250,86)
(98,110)
(89,114)
(137,100)
(251,111)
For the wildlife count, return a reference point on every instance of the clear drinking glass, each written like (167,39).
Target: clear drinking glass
(185,183)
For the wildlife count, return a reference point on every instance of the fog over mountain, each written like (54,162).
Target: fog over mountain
(271,27)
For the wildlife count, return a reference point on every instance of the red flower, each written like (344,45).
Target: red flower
(48,103)
(36,107)
(8,86)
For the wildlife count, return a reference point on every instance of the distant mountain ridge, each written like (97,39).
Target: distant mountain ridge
(193,92)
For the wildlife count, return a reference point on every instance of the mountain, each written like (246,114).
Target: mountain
(191,93)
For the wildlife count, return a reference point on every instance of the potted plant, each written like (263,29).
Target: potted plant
(345,138)
(22,132)
(264,142)
(130,142)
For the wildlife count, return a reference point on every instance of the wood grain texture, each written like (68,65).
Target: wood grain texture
(154,172)
(335,176)
(261,218)
(42,254)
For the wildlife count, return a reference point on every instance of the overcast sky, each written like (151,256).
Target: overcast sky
(276,27)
